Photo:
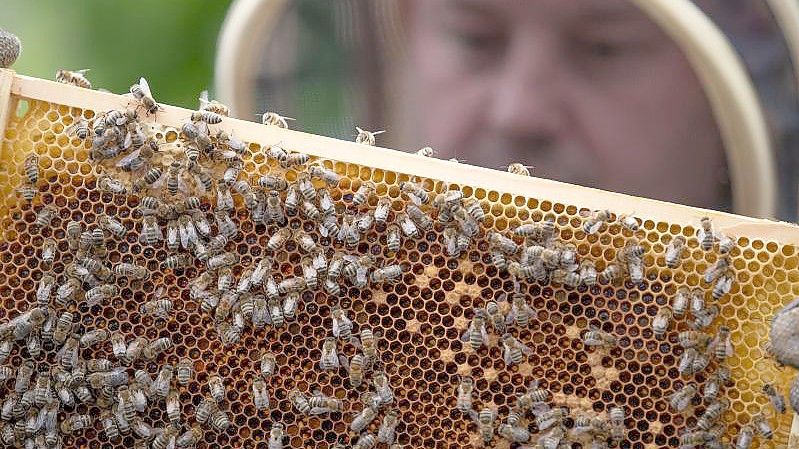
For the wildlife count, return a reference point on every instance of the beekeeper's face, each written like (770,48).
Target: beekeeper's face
(587,91)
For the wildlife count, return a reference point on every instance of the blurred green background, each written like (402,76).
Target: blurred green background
(171,43)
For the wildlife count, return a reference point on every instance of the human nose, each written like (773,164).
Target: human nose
(527,96)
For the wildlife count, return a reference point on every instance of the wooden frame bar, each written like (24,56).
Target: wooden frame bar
(437,169)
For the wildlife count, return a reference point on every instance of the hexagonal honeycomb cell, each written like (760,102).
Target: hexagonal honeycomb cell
(418,319)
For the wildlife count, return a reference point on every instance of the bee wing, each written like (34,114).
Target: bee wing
(507,356)
(529,310)
(725,283)
(511,316)
(475,417)
(145,87)
(203,99)
(336,330)
(344,361)
(540,408)
(466,335)
(526,350)
(160,181)
(484,336)
(594,228)
(700,234)
(198,185)
(128,158)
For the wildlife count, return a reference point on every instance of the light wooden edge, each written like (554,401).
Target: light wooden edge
(786,13)
(6,79)
(236,58)
(793,437)
(436,169)
(732,97)
(725,80)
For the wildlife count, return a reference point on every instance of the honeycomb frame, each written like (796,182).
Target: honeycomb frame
(422,316)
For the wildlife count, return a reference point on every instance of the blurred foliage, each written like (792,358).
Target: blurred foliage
(171,43)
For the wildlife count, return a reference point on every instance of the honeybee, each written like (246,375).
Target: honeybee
(726,244)
(661,322)
(514,351)
(722,347)
(518,168)
(294,159)
(408,227)
(776,398)
(361,196)
(588,275)
(330,359)
(141,92)
(597,337)
(275,119)
(291,285)
(496,318)
(31,168)
(342,325)
(520,312)
(464,394)
(151,233)
(5,349)
(426,152)
(23,377)
(688,363)
(693,339)
(513,433)
(44,290)
(386,434)
(300,401)
(393,238)
(681,302)
(485,423)
(611,273)
(45,216)
(156,347)
(594,223)
(327,175)
(366,137)
(94,337)
(355,368)
(221,261)
(416,193)
(213,106)
(723,284)
(714,271)
(534,396)
(205,410)
(365,441)
(714,383)
(383,393)
(190,438)
(745,437)
(76,422)
(74,77)
(565,277)
(321,404)
(388,273)
(706,234)
(278,239)
(260,396)
(27,192)
(693,438)
(368,345)
(162,381)
(476,333)
(712,414)
(100,294)
(674,251)
(363,419)
(276,436)
(502,243)
(176,261)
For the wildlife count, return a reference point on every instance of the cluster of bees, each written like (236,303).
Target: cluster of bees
(189,192)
